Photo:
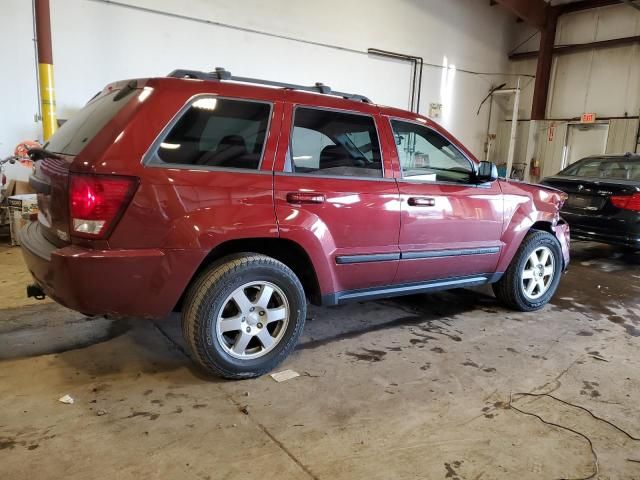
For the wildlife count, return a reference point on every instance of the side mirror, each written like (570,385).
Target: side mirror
(487,172)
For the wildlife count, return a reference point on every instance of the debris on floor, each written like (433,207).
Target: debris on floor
(598,357)
(284,375)
(68,399)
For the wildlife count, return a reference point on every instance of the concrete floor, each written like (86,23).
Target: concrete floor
(416,387)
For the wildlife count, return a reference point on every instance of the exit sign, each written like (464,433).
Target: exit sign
(588,118)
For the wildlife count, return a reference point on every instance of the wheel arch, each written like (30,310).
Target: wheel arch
(544,226)
(521,224)
(286,251)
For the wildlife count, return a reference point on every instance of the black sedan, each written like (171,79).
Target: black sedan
(604,199)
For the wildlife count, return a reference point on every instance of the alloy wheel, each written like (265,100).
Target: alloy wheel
(538,272)
(252,320)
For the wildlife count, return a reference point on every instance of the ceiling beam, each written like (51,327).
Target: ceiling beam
(534,12)
(632,4)
(579,47)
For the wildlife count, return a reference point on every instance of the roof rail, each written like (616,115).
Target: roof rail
(221,74)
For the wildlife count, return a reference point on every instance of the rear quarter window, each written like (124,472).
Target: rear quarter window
(216,132)
(82,127)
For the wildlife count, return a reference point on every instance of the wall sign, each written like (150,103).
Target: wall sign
(435,110)
(588,118)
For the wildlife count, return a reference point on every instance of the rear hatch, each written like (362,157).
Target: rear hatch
(591,197)
(50,177)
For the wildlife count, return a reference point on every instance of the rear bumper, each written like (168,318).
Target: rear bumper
(134,283)
(623,240)
(622,230)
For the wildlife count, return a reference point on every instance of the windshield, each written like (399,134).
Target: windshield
(80,129)
(611,168)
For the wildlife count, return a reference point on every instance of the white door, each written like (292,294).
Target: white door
(584,140)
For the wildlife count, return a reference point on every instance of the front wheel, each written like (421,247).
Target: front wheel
(534,274)
(244,315)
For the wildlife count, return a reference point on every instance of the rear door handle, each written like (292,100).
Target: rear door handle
(422,202)
(305,197)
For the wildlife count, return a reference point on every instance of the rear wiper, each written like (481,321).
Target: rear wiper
(41,153)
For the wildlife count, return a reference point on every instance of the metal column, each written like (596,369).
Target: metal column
(45,68)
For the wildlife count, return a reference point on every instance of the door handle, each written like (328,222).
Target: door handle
(305,197)
(422,202)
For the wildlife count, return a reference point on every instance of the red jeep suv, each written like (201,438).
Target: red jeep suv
(234,200)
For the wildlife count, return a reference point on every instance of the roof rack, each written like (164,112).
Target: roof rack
(222,74)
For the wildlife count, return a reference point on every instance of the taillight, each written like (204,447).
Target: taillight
(97,201)
(627,202)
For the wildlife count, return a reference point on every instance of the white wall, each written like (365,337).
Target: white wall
(18,86)
(95,43)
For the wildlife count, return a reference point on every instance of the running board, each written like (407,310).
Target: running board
(376,293)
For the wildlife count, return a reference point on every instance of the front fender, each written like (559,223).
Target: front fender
(526,206)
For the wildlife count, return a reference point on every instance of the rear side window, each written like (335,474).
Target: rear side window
(217,132)
(621,169)
(80,129)
(325,142)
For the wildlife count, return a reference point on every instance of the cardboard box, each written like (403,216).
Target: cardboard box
(21,209)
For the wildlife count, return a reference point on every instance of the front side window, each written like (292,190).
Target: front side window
(427,156)
(218,132)
(326,142)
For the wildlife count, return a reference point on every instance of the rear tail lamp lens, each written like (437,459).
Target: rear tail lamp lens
(96,203)
(627,202)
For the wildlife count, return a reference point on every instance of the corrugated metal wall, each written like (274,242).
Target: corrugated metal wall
(604,81)
(550,143)
(500,148)
(550,140)
(622,136)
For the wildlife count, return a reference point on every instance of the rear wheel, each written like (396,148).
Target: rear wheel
(244,315)
(534,274)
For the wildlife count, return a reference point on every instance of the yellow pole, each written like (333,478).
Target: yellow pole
(45,69)
(47,100)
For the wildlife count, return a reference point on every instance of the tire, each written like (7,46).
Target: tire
(511,289)
(226,305)
(631,255)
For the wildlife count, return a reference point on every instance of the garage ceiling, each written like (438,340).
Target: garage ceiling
(561,2)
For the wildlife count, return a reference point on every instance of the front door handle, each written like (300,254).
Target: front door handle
(422,202)
(305,197)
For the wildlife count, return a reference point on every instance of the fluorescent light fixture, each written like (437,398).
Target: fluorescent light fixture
(303,157)
(170,146)
(206,103)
